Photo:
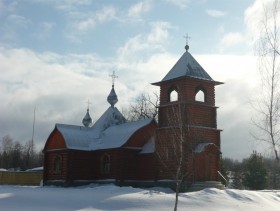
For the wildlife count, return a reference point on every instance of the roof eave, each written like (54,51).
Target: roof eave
(182,77)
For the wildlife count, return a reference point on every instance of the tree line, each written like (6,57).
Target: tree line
(253,173)
(16,156)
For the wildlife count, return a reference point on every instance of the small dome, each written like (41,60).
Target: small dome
(87,121)
(112,97)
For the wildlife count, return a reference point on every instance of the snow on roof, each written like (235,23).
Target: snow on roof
(187,66)
(149,147)
(110,131)
(118,135)
(75,136)
(112,116)
(200,147)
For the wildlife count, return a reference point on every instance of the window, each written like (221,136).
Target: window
(173,96)
(105,164)
(57,166)
(200,96)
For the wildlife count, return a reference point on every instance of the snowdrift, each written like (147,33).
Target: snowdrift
(110,197)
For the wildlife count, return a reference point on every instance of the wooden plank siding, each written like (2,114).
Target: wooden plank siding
(147,166)
(49,173)
(55,141)
(87,165)
(20,178)
(142,136)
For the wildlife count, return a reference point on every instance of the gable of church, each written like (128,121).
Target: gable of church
(55,141)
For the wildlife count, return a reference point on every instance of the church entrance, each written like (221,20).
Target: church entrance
(204,167)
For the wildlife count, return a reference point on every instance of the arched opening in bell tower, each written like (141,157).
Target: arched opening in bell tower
(173,94)
(200,95)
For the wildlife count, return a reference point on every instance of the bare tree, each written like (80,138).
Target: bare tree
(7,148)
(268,105)
(145,106)
(14,155)
(28,155)
(175,153)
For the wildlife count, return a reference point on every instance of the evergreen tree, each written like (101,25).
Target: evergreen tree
(255,175)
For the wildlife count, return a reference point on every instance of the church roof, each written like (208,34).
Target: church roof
(112,116)
(186,66)
(87,121)
(116,136)
(112,97)
(110,131)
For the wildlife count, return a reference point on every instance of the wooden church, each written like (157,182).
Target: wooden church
(145,152)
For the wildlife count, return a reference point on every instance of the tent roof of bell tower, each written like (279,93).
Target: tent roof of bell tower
(187,66)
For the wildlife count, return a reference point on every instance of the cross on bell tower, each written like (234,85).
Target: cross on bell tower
(187,41)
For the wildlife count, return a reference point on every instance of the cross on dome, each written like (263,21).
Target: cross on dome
(88,103)
(113,76)
(113,98)
(87,120)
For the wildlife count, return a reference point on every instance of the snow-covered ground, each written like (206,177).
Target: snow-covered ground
(110,197)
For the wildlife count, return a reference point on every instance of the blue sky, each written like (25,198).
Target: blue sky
(102,27)
(57,55)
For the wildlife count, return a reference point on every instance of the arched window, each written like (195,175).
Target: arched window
(105,162)
(57,165)
(173,96)
(200,96)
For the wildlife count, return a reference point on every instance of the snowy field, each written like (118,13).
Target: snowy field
(110,197)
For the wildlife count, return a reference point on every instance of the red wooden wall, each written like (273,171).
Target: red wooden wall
(125,163)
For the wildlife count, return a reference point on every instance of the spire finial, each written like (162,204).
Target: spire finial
(113,98)
(88,103)
(113,76)
(87,120)
(187,41)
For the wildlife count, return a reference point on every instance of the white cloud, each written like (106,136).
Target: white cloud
(59,86)
(45,30)
(73,38)
(145,44)
(255,14)
(90,20)
(17,20)
(2,5)
(9,28)
(65,5)
(159,32)
(231,39)
(215,13)
(221,28)
(8,7)
(182,4)
(85,25)
(139,8)
(234,100)
(106,14)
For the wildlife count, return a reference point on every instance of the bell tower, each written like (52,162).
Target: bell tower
(187,133)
